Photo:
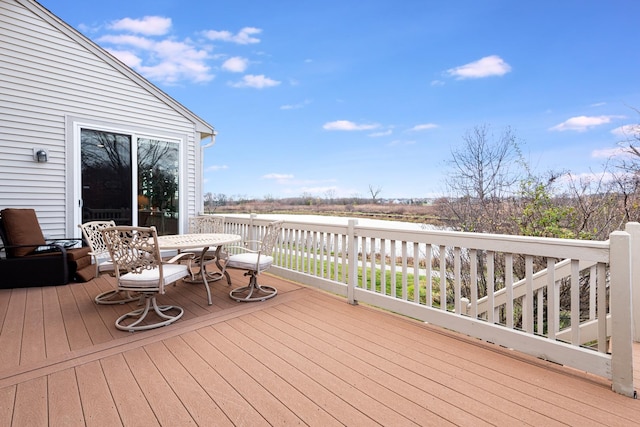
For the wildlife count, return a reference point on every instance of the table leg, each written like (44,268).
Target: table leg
(203,273)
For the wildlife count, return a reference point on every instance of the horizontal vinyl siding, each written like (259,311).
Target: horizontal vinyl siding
(46,76)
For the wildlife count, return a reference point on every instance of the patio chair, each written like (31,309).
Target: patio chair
(28,259)
(139,268)
(205,224)
(255,261)
(92,232)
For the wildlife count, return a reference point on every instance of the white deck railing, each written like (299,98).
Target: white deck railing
(566,301)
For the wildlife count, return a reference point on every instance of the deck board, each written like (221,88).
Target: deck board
(133,408)
(97,402)
(65,406)
(56,342)
(194,352)
(11,333)
(304,357)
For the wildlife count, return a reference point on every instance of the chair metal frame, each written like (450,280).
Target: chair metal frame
(92,232)
(255,262)
(140,268)
(206,224)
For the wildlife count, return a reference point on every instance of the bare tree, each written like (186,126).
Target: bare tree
(330,195)
(627,175)
(374,192)
(485,172)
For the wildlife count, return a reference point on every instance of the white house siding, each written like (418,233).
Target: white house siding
(46,76)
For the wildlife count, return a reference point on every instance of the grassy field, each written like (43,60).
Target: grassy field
(423,214)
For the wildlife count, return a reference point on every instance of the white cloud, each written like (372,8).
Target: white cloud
(215,168)
(348,125)
(128,40)
(609,152)
(582,123)
(425,126)
(382,133)
(485,67)
(280,178)
(258,82)
(235,64)
(166,60)
(244,36)
(149,25)
(129,58)
(627,131)
(437,83)
(587,177)
(296,106)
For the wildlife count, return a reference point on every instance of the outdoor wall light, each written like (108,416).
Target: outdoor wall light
(40,155)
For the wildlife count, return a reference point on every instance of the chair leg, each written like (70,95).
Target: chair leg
(115,296)
(141,314)
(253,291)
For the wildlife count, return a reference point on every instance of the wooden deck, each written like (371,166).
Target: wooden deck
(301,358)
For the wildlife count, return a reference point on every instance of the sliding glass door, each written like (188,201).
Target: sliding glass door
(158,184)
(133,180)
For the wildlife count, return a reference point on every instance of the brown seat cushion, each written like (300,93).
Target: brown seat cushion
(86,273)
(76,254)
(22,228)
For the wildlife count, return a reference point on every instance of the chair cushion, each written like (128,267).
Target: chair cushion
(247,261)
(22,228)
(106,265)
(77,254)
(149,278)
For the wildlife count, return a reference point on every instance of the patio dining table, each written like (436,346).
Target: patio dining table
(202,243)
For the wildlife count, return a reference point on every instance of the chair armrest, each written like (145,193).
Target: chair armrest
(188,255)
(37,249)
(67,242)
(242,248)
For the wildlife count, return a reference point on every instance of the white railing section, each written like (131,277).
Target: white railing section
(567,301)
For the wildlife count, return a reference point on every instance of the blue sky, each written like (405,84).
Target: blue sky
(332,97)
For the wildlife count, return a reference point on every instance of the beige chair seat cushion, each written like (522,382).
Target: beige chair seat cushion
(247,261)
(149,278)
(106,265)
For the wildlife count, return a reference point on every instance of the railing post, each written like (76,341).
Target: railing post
(252,230)
(352,261)
(621,319)
(633,228)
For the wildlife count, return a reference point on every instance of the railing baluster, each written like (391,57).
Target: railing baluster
(404,271)
(601,283)
(527,302)
(491,287)
(457,279)
(552,300)
(392,270)
(540,312)
(443,278)
(575,302)
(429,279)
(363,262)
(416,272)
(592,292)
(372,263)
(508,283)
(473,285)
(383,267)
